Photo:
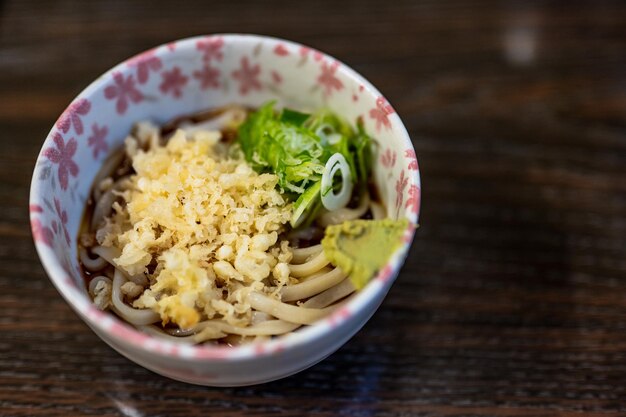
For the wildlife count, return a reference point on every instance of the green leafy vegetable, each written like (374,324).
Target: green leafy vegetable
(307,204)
(296,147)
(294,117)
(363,151)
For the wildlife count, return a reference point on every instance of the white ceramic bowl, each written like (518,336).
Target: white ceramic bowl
(181,78)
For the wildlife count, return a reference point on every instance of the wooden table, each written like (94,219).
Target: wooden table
(513,299)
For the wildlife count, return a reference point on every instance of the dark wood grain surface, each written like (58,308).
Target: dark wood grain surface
(513,299)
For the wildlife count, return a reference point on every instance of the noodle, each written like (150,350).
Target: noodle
(331,295)
(130,314)
(310,267)
(109,254)
(288,312)
(259,317)
(266,328)
(109,166)
(91,264)
(102,209)
(301,255)
(312,286)
(104,204)
(95,281)
(319,273)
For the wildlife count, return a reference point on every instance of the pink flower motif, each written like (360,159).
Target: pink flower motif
(406,238)
(97,140)
(69,281)
(385,273)
(94,313)
(276,77)
(125,332)
(122,91)
(381,112)
(248,76)
(328,80)
(388,158)
(414,198)
(171,46)
(280,50)
(317,55)
(355,98)
(211,48)
(71,116)
(145,63)
(211,352)
(337,317)
(62,155)
(400,186)
(35,208)
(208,77)
(61,226)
(173,81)
(41,233)
(410,154)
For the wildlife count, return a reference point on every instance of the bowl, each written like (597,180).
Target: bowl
(184,77)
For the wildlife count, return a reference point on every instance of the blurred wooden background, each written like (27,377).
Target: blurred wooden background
(513,300)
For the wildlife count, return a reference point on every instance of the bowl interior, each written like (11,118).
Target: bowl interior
(189,76)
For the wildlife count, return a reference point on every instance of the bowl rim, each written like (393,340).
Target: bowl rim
(125,334)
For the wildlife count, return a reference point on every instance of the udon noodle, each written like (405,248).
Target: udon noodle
(315,288)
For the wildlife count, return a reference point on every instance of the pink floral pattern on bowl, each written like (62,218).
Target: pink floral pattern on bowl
(184,77)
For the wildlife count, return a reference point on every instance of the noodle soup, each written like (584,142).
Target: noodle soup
(218,227)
